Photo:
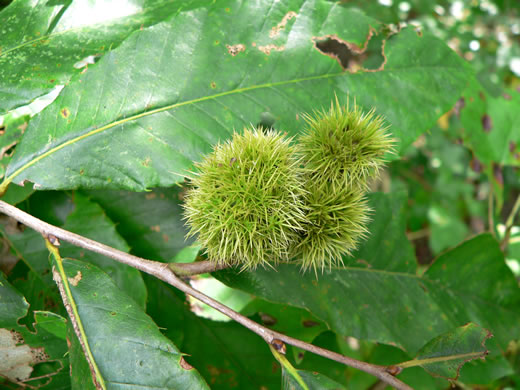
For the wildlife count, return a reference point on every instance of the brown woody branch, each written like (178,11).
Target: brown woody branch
(164,272)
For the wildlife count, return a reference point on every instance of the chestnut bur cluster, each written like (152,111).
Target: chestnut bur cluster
(262,198)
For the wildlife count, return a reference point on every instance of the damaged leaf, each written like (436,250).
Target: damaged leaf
(155,139)
(491,125)
(16,358)
(137,354)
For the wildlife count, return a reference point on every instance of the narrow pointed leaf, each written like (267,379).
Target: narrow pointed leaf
(126,344)
(152,106)
(313,381)
(446,354)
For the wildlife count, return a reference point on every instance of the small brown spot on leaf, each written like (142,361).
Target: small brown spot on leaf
(23,126)
(275,31)
(459,106)
(309,323)
(268,48)
(155,228)
(235,49)
(497,174)
(267,319)
(482,96)
(76,279)
(512,146)
(476,165)
(364,262)
(150,195)
(165,237)
(487,124)
(185,364)
(507,96)
(81,171)
(213,85)
(65,112)
(146,162)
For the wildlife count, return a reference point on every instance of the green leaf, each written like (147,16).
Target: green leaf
(446,228)
(150,221)
(293,379)
(285,319)
(232,298)
(35,358)
(225,353)
(44,43)
(491,126)
(289,320)
(446,354)
(126,344)
(376,304)
(387,246)
(124,124)
(313,380)
(12,304)
(86,219)
(80,375)
(89,220)
(11,130)
(50,334)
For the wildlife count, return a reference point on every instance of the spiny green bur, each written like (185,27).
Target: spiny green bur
(246,202)
(258,200)
(337,222)
(343,148)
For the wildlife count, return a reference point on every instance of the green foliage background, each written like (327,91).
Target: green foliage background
(105,104)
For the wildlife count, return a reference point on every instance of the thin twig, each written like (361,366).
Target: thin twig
(418,234)
(509,224)
(165,273)
(196,268)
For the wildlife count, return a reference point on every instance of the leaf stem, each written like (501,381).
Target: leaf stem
(509,224)
(164,272)
(422,362)
(288,367)
(63,284)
